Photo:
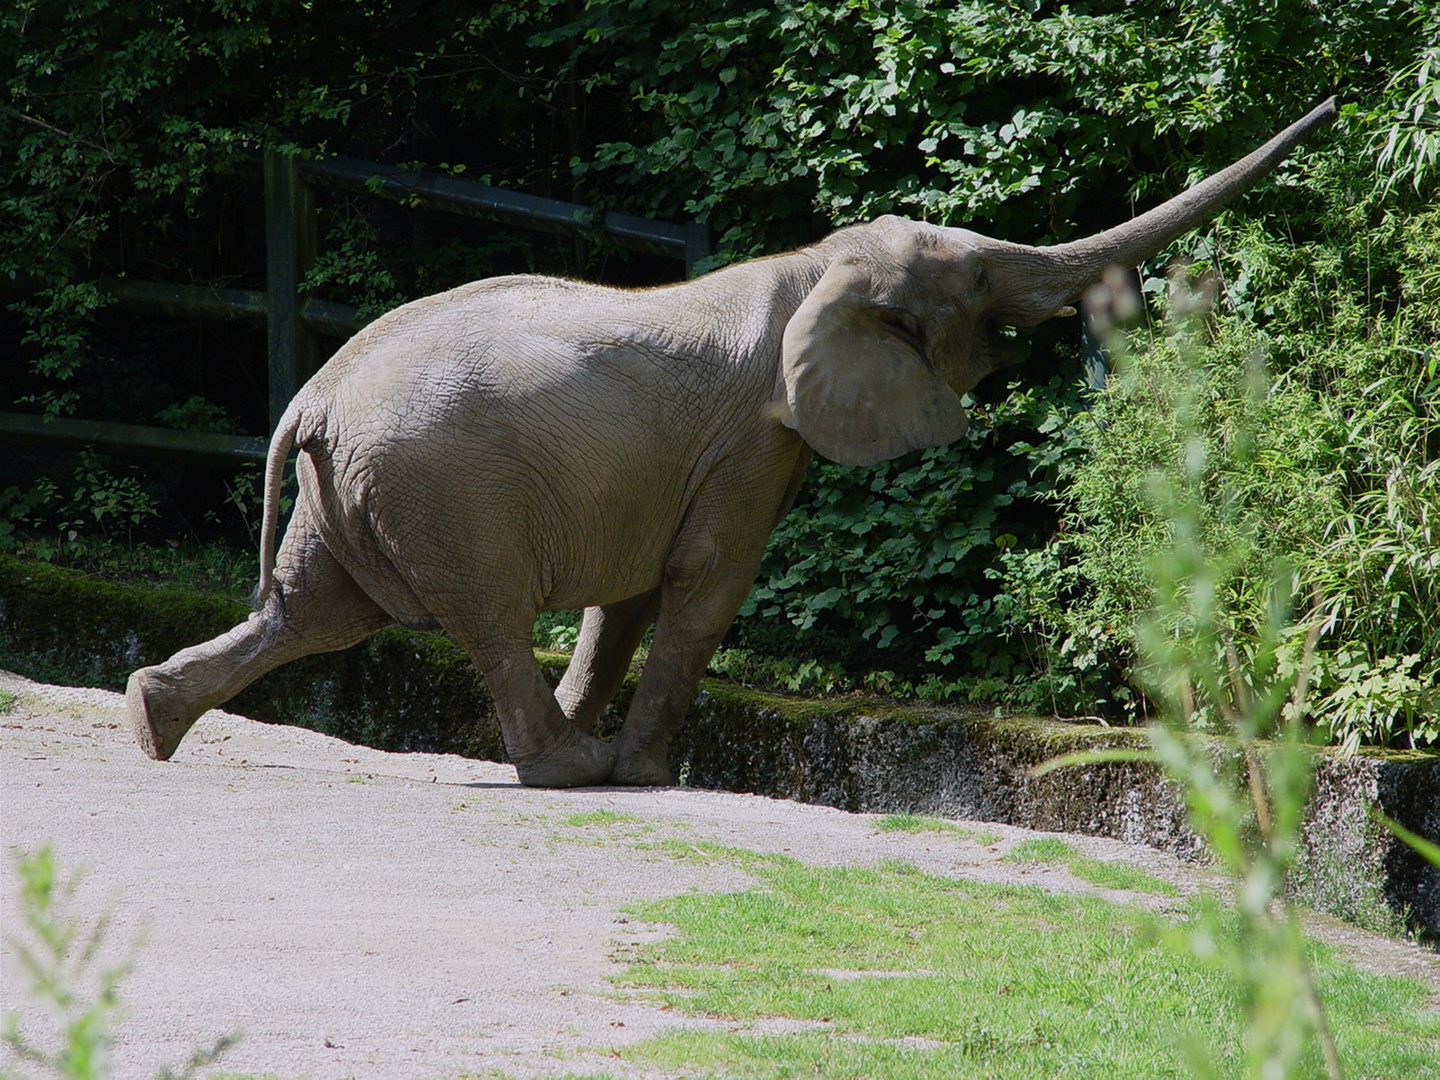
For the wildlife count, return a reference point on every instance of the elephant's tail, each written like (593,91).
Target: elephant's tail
(281,443)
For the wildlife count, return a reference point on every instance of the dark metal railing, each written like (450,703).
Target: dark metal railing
(690,241)
(293,319)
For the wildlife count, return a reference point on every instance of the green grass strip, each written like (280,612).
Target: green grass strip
(1108,875)
(601,818)
(919,823)
(890,972)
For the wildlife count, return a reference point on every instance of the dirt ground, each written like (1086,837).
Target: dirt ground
(354,913)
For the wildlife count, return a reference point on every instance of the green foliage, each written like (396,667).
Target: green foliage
(125,126)
(952,112)
(1410,142)
(58,323)
(91,109)
(557,630)
(1249,806)
(62,960)
(61,957)
(92,518)
(62,965)
(93,503)
(1311,401)
(197,414)
(1218,651)
(888,569)
(351,264)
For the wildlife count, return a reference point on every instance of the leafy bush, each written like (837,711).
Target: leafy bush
(1314,404)
(882,577)
(92,502)
(1213,662)
(128,124)
(1011,115)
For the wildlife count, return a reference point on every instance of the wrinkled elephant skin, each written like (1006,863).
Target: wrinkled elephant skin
(525,444)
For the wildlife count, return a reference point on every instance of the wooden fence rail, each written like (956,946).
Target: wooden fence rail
(293,319)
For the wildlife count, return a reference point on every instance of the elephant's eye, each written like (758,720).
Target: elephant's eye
(982,279)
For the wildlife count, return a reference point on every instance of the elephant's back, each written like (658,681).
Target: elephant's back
(505,339)
(482,413)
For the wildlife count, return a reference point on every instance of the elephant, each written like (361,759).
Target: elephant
(524,443)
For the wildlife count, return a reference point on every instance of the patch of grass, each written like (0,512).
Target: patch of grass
(920,823)
(1119,876)
(689,852)
(601,818)
(1051,849)
(1041,849)
(1004,982)
(9,700)
(915,823)
(599,827)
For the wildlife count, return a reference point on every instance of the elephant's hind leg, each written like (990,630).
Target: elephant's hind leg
(319,608)
(546,749)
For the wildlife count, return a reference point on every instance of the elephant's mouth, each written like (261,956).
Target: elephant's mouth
(1002,345)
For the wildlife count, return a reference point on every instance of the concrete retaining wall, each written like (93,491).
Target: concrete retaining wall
(408,691)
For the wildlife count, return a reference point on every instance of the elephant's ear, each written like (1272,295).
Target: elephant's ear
(857,385)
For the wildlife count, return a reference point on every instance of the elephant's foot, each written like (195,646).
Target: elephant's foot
(158,720)
(638,769)
(582,762)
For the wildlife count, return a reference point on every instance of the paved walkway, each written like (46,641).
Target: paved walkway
(361,914)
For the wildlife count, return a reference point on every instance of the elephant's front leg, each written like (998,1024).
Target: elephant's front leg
(694,615)
(608,638)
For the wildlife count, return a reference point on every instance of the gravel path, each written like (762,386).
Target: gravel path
(363,914)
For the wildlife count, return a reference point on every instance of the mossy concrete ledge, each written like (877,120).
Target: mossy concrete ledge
(411,691)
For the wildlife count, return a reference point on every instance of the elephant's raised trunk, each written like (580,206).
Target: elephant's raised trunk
(1044,280)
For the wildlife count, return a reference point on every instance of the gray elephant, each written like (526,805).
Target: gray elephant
(526,444)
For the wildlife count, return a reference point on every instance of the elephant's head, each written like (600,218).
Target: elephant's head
(908,316)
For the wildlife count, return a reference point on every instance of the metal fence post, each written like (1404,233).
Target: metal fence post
(697,244)
(294,319)
(289,252)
